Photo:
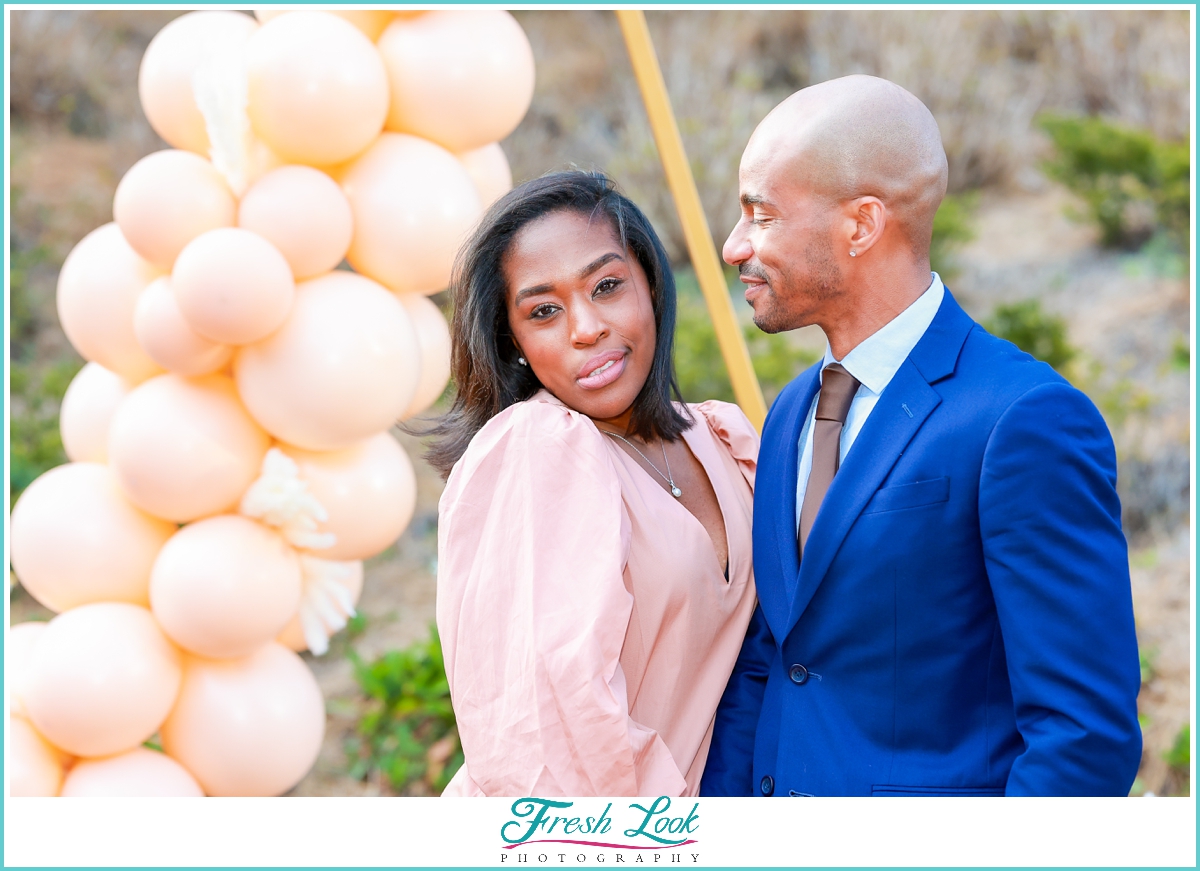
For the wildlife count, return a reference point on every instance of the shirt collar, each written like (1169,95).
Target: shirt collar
(876,359)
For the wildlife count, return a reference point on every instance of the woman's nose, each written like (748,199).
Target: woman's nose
(587,324)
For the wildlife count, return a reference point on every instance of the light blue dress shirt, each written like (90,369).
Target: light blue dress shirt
(874,362)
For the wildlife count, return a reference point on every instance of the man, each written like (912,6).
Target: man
(944,600)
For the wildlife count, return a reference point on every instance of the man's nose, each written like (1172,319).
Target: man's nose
(737,246)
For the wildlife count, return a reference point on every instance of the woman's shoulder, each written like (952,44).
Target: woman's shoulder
(730,426)
(540,428)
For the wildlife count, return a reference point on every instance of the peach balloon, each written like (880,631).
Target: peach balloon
(483,83)
(369,491)
(318,89)
(292,635)
(489,170)
(250,726)
(370,21)
(98,288)
(18,649)
(167,199)
(303,213)
(168,338)
(413,205)
(224,585)
(171,60)
(433,335)
(34,766)
(87,409)
(102,679)
(137,773)
(344,365)
(185,448)
(76,539)
(233,286)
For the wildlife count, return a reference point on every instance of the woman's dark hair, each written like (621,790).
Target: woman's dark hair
(487,376)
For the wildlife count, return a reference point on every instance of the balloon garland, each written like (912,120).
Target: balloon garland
(230,461)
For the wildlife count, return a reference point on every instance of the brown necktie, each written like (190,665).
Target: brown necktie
(837,392)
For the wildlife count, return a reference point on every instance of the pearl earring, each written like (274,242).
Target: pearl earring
(521,360)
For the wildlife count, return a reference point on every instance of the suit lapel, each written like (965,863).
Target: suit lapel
(781,504)
(903,407)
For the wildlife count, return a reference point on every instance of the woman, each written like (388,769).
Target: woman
(594,560)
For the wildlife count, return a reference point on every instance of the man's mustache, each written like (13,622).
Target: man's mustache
(753,271)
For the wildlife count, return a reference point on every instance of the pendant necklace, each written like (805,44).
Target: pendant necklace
(669,478)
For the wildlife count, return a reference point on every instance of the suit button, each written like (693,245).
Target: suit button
(767,785)
(798,674)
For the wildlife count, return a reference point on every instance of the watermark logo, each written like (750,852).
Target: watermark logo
(654,828)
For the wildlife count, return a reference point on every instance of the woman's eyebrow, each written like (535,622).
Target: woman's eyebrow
(598,262)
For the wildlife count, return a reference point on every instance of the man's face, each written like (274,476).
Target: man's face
(783,243)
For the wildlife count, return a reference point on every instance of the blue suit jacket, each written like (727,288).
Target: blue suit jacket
(962,623)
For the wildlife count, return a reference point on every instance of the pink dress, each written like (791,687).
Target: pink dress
(587,627)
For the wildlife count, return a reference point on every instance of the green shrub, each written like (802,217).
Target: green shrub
(951,230)
(36,445)
(1034,331)
(407,731)
(1133,183)
(698,361)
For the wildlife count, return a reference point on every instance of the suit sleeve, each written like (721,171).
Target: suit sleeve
(730,766)
(532,609)
(1058,566)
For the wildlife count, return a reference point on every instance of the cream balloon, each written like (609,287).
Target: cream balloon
(250,726)
(168,338)
(369,491)
(413,205)
(76,539)
(292,635)
(489,170)
(303,213)
(232,286)
(87,409)
(318,90)
(370,21)
(344,365)
(483,83)
(433,335)
(98,288)
(136,773)
(166,200)
(102,679)
(223,586)
(18,649)
(172,59)
(185,448)
(34,766)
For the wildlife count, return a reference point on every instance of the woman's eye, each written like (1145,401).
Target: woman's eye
(607,285)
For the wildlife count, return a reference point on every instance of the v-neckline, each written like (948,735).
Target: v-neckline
(726,572)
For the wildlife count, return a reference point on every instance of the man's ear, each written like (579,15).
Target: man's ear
(869,218)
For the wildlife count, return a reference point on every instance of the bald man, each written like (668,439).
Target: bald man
(944,599)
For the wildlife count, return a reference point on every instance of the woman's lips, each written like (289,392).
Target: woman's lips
(602,370)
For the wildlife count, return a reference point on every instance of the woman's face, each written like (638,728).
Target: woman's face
(580,311)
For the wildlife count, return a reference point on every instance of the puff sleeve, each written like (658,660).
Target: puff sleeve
(533,608)
(730,424)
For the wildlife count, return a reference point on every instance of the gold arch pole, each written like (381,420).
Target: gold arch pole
(695,226)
